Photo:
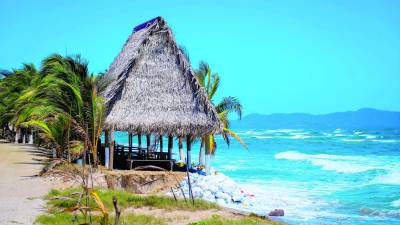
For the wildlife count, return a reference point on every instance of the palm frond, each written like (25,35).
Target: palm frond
(230,104)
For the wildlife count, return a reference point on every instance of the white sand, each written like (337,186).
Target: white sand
(20,189)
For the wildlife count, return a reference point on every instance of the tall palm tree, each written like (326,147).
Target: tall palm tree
(210,82)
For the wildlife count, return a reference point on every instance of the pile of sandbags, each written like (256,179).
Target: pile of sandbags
(214,188)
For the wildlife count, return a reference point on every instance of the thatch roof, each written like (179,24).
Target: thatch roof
(154,89)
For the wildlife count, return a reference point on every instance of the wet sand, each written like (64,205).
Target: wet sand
(20,189)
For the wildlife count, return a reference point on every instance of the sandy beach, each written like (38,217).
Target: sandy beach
(20,188)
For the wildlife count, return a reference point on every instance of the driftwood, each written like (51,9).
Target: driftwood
(53,163)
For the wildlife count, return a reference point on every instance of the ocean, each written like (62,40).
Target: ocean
(316,176)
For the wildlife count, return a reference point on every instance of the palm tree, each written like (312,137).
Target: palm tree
(210,82)
(65,90)
(11,88)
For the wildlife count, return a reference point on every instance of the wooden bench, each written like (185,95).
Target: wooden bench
(165,164)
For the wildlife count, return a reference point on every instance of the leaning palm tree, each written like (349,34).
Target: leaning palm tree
(210,82)
(65,90)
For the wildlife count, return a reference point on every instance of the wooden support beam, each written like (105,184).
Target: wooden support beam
(106,138)
(130,144)
(189,165)
(188,152)
(111,157)
(170,146)
(161,144)
(106,147)
(139,137)
(148,140)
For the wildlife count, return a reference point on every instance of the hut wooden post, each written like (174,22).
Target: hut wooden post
(111,157)
(170,146)
(106,148)
(139,137)
(161,144)
(180,146)
(189,165)
(130,144)
(188,154)
(148,137)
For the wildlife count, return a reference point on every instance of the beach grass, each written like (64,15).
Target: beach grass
(65,218)
(68,198)
(59,201)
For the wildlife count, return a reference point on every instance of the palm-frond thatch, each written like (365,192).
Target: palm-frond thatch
(153,88)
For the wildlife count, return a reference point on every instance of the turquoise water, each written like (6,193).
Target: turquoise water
(317,176)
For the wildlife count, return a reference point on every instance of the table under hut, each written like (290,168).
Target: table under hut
(153,94)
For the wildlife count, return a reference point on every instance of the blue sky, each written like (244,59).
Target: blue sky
(315,56)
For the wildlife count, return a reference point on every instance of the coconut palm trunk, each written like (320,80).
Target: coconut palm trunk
(210,82)
(201,153)
(209,149)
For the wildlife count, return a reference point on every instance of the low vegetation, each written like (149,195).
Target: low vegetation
(64,218)
(66,199)
(59,204)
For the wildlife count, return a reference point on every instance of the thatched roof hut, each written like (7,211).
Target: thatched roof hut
(153,88)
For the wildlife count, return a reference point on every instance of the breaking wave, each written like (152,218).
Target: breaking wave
(390,178)
(396,203)
(340,164)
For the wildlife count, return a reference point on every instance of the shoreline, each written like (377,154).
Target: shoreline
(224,191)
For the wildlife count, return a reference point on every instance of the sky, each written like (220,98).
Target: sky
(315,56)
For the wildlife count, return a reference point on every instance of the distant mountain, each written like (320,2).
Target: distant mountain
(365,118)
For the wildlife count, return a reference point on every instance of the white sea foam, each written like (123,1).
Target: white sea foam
(338,131)
(296,202)
(263,137)
(391,178)
(369,136)
(396,203)
(283,130)
(229,167)
(340,164)
(386,141)
(353,140)
(327,134)
(298,136)
(340,167)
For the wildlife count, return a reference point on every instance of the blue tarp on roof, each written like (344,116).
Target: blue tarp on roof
(4,73)
(144,25)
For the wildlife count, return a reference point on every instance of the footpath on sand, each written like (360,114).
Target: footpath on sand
(20,187)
